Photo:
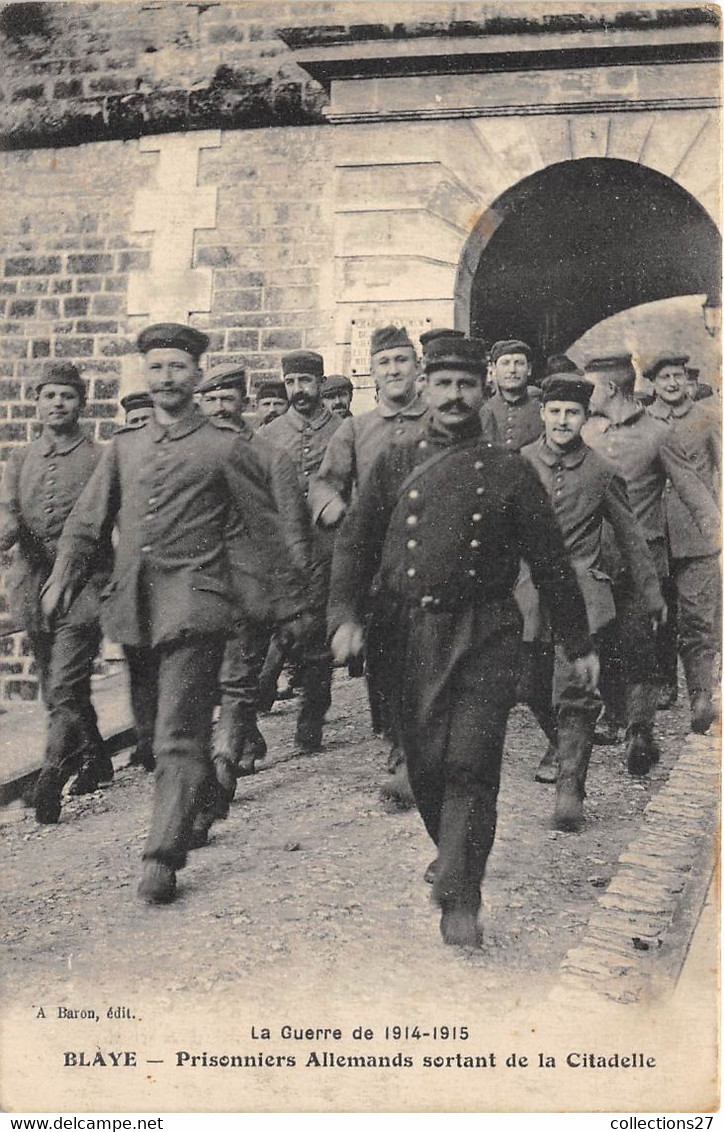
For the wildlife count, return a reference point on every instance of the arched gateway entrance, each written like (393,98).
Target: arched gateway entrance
(580,241)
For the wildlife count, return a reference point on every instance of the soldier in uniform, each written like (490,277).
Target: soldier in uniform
(304,432)
(441,523)
(138,408)
(698,390)
(42,481)
(168,487)
(694,441)
(511,418)
(337,392)
(271,401)
(238,743)
(635,442)
(584,490)
(347,463)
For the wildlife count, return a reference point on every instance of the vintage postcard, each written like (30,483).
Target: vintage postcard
(253,214)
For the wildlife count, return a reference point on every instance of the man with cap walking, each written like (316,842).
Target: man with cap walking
(584,490)
(511,418)
(694,440)
(636,443)
(303,433)
(238,743)
(441,524)
(347,463)
(42,481)
(168,487)
(337,392)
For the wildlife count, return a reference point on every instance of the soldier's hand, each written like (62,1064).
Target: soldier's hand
(587,671)
(347,642)
(332,514)
(294,634)
(54,599)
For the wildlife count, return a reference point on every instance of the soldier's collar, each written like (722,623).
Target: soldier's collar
(414,408)
(570,459)
(515,404)
(52,444)
(664,412)
(299,422)
(187,424)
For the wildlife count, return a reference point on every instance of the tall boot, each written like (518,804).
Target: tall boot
(466,835)
(548,767)
(575,743)
(642,751)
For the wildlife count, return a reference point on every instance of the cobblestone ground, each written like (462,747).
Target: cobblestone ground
(310,886)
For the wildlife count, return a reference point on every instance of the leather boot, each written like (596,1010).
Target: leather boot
(46,799)
(142,755)
(158,883)
(642,752)
(253,749)
(575,743)
(548,767)
(703,712)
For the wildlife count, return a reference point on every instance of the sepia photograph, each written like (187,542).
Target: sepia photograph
(360,609)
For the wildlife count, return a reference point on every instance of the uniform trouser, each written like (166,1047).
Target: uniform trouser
(64,659)
(315,677)
(666,635)
(184,678)
(697,588)
(458,685)
(629,663)
(241,668)
(381,679)
(577,710)
(535,686)
(144,696)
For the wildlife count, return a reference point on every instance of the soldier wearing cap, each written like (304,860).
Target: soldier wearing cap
(168,488)
(584,490)
(694,440)
(42,481)
(303,433)
(636,443)
(271,401)
(698,390)
(511,419)
(349,459)
(337,392)
(238,743)
(138,408)
(440,525)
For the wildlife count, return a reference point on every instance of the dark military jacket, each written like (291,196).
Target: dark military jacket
(168,490)
(41,484)
(305,442)
(452,536)
(694,443)
(637,447)
(585,490)
(355,446)
(248,559)
(511,425)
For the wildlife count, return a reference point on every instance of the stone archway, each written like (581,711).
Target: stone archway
(579,241)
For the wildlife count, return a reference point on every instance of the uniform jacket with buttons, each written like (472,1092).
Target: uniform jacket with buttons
(585,490)
(511,425)
(637,446)
(355,446)
(41,484)
(305,441)
(249,562)
(694,442)
(453,536)
(168,490)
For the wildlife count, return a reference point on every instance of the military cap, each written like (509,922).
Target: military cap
(228,376)
(61,373)
(438,332)
(173,336)
(138,400)
(337,383)
(560,363)
(564,386)
(661,360)
(509,346)
(618,367)
(455,353)
(303,361)
(388,338)
(271,389)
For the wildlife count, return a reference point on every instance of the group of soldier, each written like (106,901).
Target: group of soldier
(478,540)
